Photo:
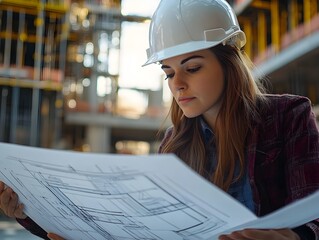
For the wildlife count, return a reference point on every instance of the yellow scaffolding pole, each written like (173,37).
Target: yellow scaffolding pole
(31,5)
(262,32)
(275,26)
(247,27)
(294,14)
(306,11)
(261,4)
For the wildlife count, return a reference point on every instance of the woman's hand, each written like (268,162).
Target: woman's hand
(9,203)
(261,234)
(54,236)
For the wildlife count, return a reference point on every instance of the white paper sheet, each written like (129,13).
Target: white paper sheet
(106,196)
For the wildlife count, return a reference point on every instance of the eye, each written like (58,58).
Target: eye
(193,69)
(168,76)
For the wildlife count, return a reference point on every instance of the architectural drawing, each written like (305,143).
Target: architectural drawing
(86,196)
(114,203)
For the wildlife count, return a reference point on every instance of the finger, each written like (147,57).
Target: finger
(286,232)
(19,212)
(238,235)
(5,199)
(12,205)
(258,233)
(224,237)
(2,187)
(273,234)
(54,236)
(230,236)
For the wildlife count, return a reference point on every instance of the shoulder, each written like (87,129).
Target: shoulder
(287,100)
(286,111)
(278,104)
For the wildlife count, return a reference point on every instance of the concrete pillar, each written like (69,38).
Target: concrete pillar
(99,138)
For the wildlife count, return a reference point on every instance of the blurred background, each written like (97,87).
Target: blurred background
(71,75)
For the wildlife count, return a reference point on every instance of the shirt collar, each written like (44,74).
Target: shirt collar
(207,131)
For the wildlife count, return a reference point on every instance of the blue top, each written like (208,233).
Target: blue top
(240,190)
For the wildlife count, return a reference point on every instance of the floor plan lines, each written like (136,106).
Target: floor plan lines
(100,196)
(121,204)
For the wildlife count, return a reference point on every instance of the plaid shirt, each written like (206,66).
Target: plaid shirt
(283,153)
(282,156)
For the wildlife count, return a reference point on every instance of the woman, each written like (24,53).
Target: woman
(261,149)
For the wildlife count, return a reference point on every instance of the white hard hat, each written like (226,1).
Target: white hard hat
(183,26)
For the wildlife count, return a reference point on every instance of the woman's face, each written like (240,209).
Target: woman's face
(196,81)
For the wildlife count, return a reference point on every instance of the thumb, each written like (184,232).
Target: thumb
(54,236)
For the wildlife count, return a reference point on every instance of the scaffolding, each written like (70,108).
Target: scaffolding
(33,34)
(283,42)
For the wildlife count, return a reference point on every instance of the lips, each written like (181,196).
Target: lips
(185,99)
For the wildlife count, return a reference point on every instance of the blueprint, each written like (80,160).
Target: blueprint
(107,196)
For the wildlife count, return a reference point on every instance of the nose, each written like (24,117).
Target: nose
(178,82)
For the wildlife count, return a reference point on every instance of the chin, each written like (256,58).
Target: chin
(191,115)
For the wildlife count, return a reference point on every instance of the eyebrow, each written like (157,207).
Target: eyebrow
(184,60)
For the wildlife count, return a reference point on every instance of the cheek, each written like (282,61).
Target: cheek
(170,86)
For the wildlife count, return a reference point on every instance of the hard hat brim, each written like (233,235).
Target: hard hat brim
(192,47)
(179,50)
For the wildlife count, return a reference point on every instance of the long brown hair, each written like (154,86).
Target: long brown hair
(233,123)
